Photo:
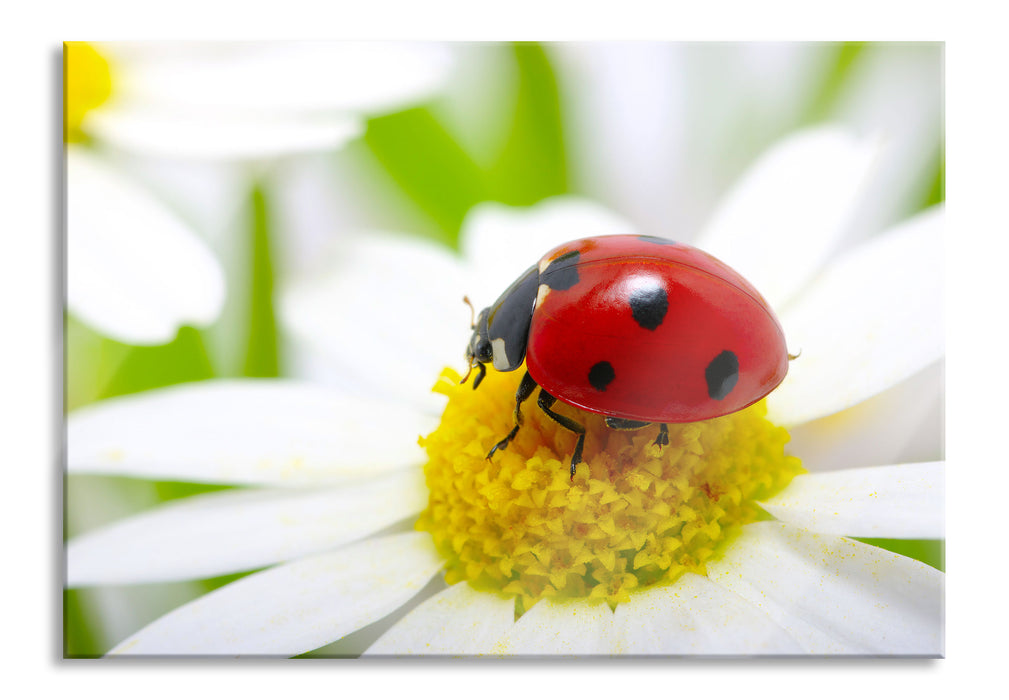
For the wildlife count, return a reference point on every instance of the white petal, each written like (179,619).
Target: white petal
(783,219)
(296,607)
(458,621)
(222,533)
(896,90)
(649,137)
(389,311)
(834,595)
(135,272)
(568,628)
(244,432)
(212,195)
(500,242)
(628,127)
(282,77)
(871,320)
(896,501)
(197,134)
(902,424)
(697,616)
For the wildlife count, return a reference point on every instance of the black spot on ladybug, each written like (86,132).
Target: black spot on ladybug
(562,273)
(722,374)
(601,375)
(657,240)
(649,306)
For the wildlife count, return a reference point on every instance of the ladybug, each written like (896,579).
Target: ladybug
(638,329)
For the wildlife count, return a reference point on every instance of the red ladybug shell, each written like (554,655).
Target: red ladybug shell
(646,329)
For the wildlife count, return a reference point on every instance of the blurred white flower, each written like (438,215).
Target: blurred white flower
(657,130)
(334,468)
(137,270)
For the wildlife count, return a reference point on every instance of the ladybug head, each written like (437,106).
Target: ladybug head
(501,330)
(479,351)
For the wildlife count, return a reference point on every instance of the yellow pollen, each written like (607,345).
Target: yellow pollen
(87,83)
(635,514)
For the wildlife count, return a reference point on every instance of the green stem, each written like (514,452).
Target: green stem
(262,355)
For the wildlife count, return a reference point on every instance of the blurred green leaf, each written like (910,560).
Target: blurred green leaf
(262,355)
(825,98)
(532,164)
(80,619)
(429,165)
(937,192)
(444,180)
(172,490)
(931,552)
(90,361)
(185,359)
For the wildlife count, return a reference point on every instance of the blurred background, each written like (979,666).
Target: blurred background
(252,161)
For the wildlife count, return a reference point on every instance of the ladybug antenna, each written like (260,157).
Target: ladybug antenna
(472,314)
(795,356)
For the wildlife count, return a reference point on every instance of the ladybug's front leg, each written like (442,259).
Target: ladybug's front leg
(545,401)
(525,390)
(481,373)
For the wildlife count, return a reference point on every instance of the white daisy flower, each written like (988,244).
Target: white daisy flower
(137,269)
(716,544)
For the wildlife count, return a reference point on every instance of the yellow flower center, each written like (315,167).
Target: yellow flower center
(87,83)
(634,515)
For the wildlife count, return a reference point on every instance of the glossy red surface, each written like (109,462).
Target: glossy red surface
(659,375)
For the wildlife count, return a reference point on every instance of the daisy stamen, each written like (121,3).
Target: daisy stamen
(635,515)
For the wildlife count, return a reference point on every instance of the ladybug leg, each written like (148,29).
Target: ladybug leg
(625,423)
(481,373)
(663,438)
(525,390)
(545,401)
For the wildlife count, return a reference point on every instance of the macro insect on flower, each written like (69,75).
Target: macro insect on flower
(639,329)
(717,543)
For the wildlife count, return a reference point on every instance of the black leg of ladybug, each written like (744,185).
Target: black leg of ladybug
(625,424)
(663,438)
(525,390)
(545,401)
(480,374)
